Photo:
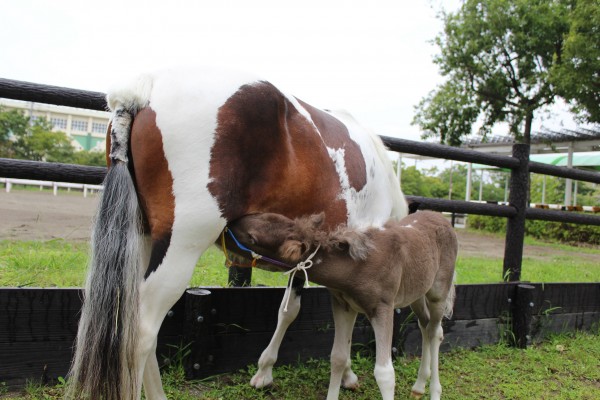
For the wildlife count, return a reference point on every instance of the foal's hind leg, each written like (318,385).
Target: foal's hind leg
(436,335)
(264,375)
(419,307)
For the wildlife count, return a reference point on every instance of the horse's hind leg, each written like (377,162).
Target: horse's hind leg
(153,389)
(158,293)
(264,375)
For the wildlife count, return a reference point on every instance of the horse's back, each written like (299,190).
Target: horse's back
(218,145)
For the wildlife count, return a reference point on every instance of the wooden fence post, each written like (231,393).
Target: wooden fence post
(240,276)
(197,331)
(522,311)
(515,226)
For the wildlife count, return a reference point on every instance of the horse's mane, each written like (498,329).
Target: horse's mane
(357,243)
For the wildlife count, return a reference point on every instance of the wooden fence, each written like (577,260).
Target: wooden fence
(225,329)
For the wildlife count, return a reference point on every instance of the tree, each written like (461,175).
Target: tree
(32,140)
(497,56)
(11,123)
(577,75)
(83,157)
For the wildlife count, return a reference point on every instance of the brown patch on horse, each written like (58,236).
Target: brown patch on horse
(154,183)
(268,158)
(336,135)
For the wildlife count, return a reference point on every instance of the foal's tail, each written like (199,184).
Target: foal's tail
(449,305)
(104,365)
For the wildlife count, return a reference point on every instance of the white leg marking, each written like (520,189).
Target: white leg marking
(386,379)
(264,375)
(418,388)
(340,353)
(437,335)
(383,326)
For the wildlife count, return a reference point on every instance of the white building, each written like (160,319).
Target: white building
(86,128)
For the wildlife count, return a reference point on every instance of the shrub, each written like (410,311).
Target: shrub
(545,230)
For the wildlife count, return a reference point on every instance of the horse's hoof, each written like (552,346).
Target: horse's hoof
(416,395)
(259,381)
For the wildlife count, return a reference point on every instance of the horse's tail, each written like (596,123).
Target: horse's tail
(104,365)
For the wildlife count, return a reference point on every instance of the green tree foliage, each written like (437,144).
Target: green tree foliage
(39,143)
(11,124)
(436,184)
(497,56)
(95,158)
(577,75)
(20,137)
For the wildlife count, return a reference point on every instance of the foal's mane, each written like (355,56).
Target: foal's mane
(356,243)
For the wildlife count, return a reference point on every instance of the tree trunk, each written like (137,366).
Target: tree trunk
(528,123)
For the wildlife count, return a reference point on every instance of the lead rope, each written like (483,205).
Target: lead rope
(301,266)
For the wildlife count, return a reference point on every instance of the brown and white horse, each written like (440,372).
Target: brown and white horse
(371,271)
(190,150)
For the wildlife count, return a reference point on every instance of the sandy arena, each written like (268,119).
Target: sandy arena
(39,215)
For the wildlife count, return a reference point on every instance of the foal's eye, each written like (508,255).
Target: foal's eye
(252,240)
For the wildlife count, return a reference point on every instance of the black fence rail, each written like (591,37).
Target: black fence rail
(227,328)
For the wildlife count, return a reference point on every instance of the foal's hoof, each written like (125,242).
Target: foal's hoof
(261,380)
(350,381)
(416,395)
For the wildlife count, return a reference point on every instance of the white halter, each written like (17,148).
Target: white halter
(301,266)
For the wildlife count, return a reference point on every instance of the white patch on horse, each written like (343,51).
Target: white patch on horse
(347,193)
(381,193)
(294,101)
(184,102)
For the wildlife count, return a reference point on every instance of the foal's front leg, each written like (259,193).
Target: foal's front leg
(264,375)
(341,372)
(383,326)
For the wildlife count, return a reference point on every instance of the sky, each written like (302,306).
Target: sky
(373,58)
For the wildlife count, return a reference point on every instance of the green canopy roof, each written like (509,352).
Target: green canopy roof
(587,160)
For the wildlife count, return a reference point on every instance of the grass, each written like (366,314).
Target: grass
(562,367)
(59,263)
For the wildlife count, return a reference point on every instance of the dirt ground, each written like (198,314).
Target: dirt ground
(34,215)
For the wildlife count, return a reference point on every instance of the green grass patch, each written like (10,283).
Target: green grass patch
(58,263)
(54,263)
(562,367)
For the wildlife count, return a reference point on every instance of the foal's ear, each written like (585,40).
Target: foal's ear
(357,244)
(316,220)
(292,250)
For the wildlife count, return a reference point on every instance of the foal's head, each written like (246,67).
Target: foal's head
(277,236)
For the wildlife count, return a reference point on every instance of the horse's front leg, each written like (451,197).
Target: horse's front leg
(264,375)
